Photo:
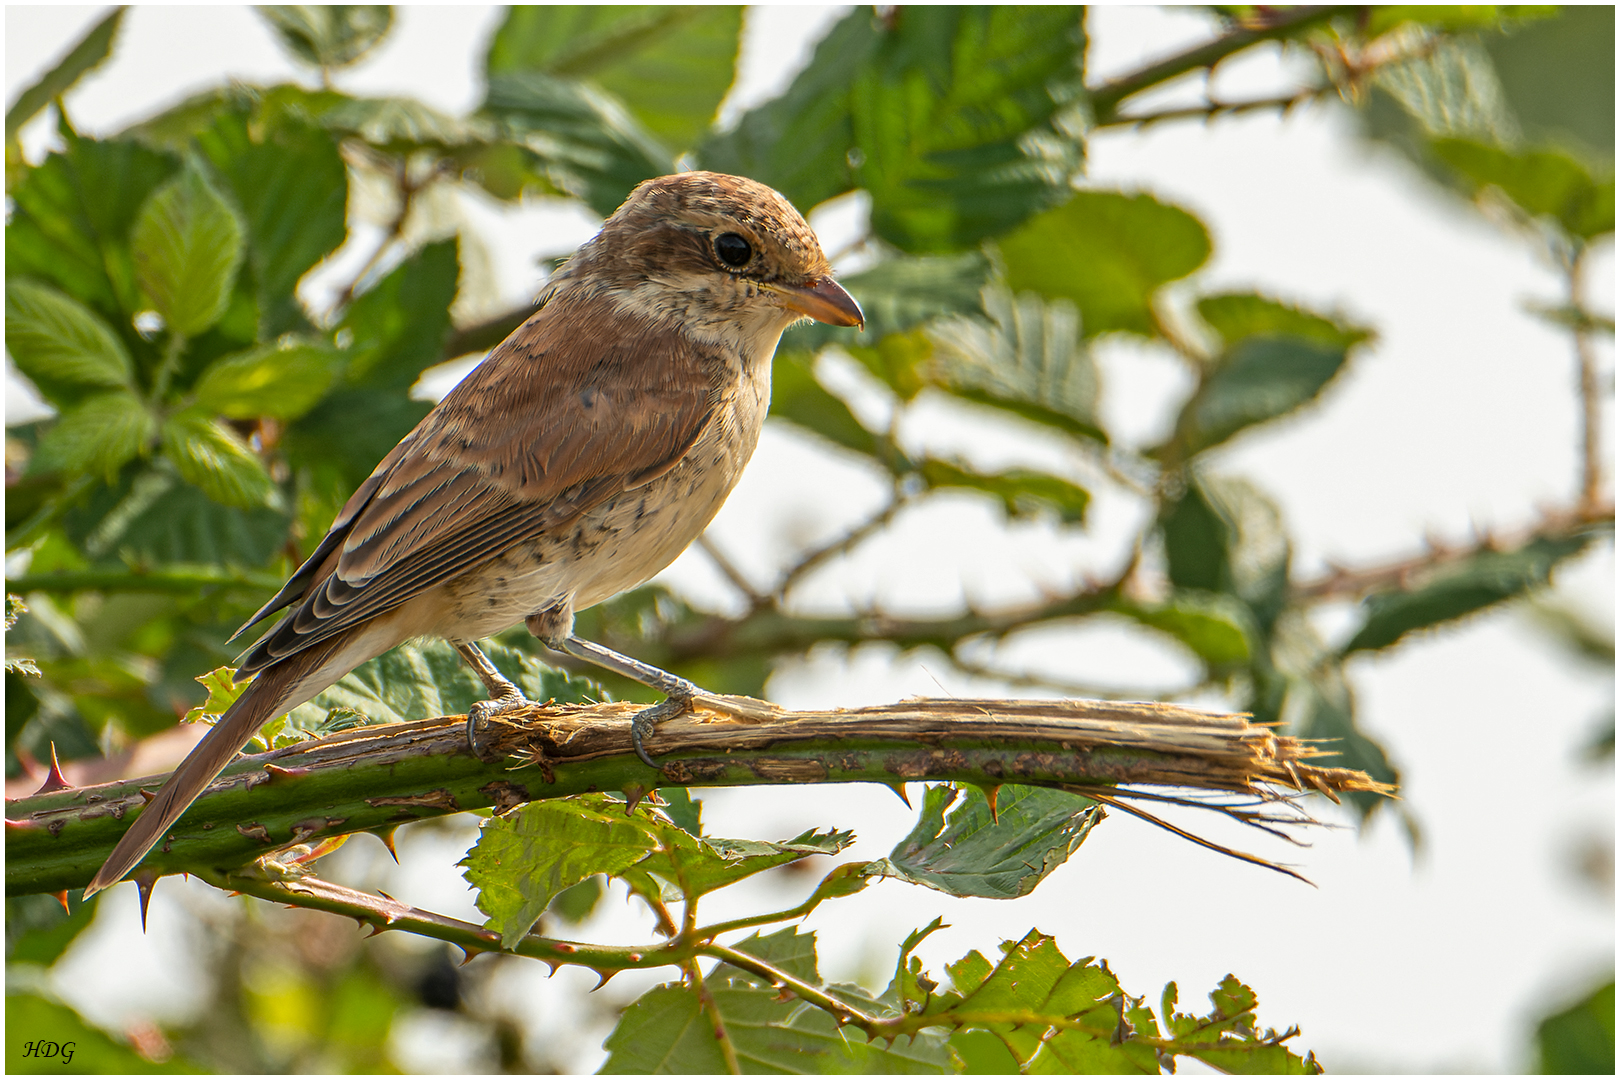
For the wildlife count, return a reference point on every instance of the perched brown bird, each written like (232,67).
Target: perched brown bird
(577,461)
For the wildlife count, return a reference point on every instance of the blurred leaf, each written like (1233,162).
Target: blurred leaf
(684,810)
(414,682)
(1580,1039)
(898,295)
(398,325)
(1584,638)
(1224,535)
(1212,625)
(292,187)
(1451,90)
(1459,17)
(666,1030)
(151,517)
(71,218)
(525,858)
(1256,380)
(801,143)
(85,56)
(585,141)
(1109,253)
(954,121)
(97,436)
(400,125)
(576,903)
(187,245)
(280,379)
(670,65)
(1542,183)
(329,35)
(1235,316)
(1027,359)
(1558,76)
(1486,578)
(38,931)
(798,398)
(93,1050)
(975,853)
(1023,492)
(57,341)
(348,432)
(212,456)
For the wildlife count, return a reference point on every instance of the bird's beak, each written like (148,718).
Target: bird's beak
(823,300)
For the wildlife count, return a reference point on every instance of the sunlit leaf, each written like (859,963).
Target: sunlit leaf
(1022,492)
(1543,183)
(670,65)
(329,35)
(1213,625)
(97,436)
(187,245)
(56,340)
(274,379)
(1109,253)
(212,456)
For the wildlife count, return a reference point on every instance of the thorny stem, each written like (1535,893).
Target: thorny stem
(1591,399)
(843,1011)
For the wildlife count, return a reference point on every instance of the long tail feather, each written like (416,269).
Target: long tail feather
(260,702)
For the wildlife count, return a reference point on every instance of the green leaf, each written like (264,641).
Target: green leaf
(414,682)
(700,866)
(283,379)
(1258,379)
(1023,492)
(1236,316)
(1227,1037)
(801,143)
(329,35)
(397,327)
(974,854)
(798,398)
(152,518)
(1451,89)
(1558,77)
(1485,578)
(93,1050)
(1027,359)
(898,295)
(212,456)
(684,810)
(187,245)
(521,861)
(1214,626)
(585,142)
(1579,1039)
(402,125)
(1107,252)
(96,436)
(223,690)
(1545,183)
(71,218)
(57,341)
(954,116)
(1224,535)
(83,58)
(666,1030)
(290,181)
(670,65)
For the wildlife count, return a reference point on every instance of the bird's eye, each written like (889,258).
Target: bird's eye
(733,250)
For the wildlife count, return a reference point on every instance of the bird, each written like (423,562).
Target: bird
(576,461)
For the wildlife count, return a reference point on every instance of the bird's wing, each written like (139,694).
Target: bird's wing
(554,422)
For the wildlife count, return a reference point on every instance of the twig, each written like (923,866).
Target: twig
(729,569)
(818,556)
(1591,398)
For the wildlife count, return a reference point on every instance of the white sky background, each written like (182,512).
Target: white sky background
(1462,415)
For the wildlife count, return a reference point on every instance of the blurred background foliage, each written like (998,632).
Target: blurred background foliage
(209,419)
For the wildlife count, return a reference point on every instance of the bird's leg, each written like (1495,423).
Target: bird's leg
(679,692)
(503,692)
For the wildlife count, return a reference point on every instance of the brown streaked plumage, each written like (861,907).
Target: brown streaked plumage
(578,460)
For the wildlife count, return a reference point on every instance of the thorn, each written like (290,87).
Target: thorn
(276,772)
(375,930)
(471,954)
(148,796)
(990,793)
(553,965)
(54,780)
(385,896)
(604,976)
(900,789)
(633,794)
(144,882)
(387,837)
(61,898)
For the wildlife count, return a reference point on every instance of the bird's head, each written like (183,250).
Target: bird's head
(728,258)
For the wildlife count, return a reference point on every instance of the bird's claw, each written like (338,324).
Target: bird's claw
(479,714)
(644,722)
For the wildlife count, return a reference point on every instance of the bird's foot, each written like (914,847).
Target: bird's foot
(478,716)
(644,722)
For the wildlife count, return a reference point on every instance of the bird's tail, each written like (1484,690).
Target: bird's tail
(271,693)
